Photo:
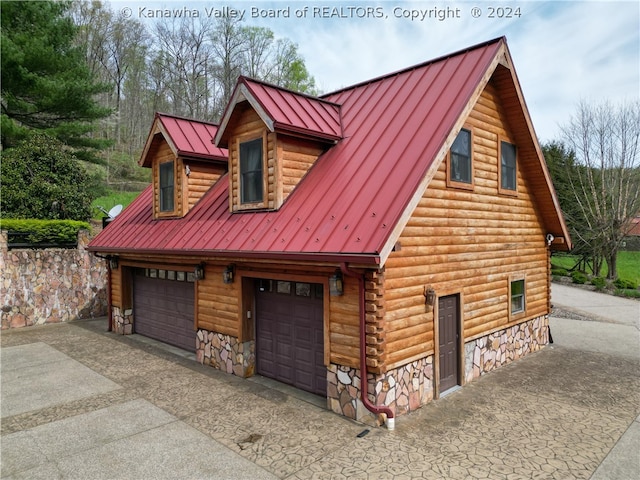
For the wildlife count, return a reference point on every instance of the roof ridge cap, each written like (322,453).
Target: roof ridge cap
(244,79)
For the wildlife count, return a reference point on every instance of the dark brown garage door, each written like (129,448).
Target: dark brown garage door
(163,310)
(290,334)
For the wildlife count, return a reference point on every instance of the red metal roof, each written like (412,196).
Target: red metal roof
(350,201)
(188,138)
(284,110)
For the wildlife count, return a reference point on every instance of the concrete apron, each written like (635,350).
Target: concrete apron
(133,439)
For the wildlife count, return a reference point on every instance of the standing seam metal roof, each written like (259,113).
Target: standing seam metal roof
(354,195)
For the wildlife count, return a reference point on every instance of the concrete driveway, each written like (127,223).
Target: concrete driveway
(78,402)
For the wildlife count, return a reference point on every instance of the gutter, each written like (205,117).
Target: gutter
(364,384)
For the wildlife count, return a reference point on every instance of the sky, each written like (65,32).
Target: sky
(564,52)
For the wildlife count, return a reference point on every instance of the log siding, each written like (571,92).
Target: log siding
(471,242)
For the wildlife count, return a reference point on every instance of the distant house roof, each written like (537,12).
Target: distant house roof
(285,111)
(354,202)
(186,137)
(634,227)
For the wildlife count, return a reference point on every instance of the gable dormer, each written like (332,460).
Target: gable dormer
(273,136)
(184,163)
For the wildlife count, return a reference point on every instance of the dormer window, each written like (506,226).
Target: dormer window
(167,183)
(251,172)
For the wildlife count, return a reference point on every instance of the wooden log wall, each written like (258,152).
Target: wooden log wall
(467,242)
(217,303)
(344,325)
(116,287)
(199,181)
(295,156)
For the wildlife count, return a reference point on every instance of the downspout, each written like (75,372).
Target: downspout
(109,312)
(364,384)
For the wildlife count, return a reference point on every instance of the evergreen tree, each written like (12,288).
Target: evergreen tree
(46,84)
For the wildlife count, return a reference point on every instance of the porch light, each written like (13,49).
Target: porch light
(199,272)
(228,274)
(113,263)
(336,287)
(430,296)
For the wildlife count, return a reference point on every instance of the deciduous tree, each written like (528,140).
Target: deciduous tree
(604,180)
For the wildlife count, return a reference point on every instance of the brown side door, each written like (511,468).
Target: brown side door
(448,321)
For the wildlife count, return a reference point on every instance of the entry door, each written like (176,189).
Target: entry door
(448,321)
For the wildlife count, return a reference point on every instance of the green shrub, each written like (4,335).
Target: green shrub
(628,293)
(599,282)
(559,272)
(625,284)
(43,231)
(579,277)
(41,179)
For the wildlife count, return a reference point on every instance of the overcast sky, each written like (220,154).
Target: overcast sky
(564,51)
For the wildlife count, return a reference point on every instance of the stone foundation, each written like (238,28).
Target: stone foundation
(225,353)
(403,389)
(499,348)
(122,320)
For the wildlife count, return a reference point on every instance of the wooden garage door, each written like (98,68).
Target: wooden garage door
(290,334)
(163,310)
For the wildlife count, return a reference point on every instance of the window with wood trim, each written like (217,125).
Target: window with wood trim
(508,168)
(460,161)
(166,185)
(517,296)
(251,172)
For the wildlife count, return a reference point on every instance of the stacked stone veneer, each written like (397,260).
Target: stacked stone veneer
(496,349)
(51,285)
(226,353)
(122,320)
(406,388)
(402,389)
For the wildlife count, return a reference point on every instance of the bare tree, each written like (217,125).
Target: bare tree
(605,140)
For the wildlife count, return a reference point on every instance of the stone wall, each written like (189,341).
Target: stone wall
(499,348)
(402,389)
(225,353)
(51,285)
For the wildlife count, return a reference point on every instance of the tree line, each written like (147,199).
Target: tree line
(185,66)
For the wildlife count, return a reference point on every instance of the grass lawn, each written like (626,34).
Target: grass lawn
(628,265)
(110,201)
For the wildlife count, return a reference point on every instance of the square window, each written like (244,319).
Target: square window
(166,187)
(303,289)
(460,158)
(508,171)
(251,171)
(283,287)
(517,294)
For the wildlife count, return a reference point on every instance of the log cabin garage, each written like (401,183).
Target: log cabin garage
(380,245)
